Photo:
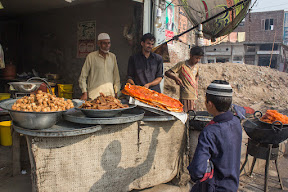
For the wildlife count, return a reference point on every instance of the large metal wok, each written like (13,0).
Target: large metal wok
(32,120)
(266,133)
(25,87)
(199,119)
(30,85)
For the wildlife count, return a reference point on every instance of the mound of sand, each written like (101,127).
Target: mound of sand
(258,87)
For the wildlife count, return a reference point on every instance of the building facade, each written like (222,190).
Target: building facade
(261,39)
(264,38)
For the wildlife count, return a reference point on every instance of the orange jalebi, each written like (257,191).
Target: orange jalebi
(152,98)
(273,115)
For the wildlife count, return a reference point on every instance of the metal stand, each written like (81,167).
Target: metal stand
(262,151)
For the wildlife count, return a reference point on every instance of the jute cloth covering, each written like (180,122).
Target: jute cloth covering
(118,158)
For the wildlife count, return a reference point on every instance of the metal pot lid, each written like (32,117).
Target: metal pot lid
(126,116)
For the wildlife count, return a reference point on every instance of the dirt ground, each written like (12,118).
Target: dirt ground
(255,183)
(255,86)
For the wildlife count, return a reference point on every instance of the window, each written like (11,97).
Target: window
(222,60)
(211,61)
(267,24)
(250,59)
(265,61)
(268,47)
(251,48)
(237,58)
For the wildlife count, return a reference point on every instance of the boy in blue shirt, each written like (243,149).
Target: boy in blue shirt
(216,162)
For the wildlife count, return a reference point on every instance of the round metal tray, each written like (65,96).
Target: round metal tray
(61,129)
(104,113)
(126,116)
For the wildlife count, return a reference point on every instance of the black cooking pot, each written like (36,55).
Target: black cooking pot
(199,119)
(266,133)
(276,125)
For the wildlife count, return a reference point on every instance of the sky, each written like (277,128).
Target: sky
(269,5)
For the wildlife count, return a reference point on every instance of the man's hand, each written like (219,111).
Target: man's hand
(179,81)
(84,96)
(147,85)
(209,171)
(130,81)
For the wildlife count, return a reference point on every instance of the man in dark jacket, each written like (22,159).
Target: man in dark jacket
(146,68)
(216,162)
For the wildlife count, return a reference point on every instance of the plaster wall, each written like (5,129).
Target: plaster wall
(49,39)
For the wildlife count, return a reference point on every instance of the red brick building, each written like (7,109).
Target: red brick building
(264,38)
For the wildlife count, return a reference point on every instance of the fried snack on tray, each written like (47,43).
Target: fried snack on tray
(153,98)
(103,102)
(273,115)
(42,102)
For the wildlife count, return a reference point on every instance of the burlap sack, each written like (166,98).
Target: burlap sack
(117,158)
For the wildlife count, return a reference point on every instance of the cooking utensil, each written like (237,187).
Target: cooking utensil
(265,133)
(25,87)
(43,80)
(199,119)
(276,125)
(32,120)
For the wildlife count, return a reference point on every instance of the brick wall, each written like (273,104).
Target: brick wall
(254,27)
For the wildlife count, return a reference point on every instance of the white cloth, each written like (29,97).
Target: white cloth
(181,116)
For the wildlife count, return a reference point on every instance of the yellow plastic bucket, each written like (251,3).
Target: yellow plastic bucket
(52,89)
(5,133)
(4,96)
(65,90)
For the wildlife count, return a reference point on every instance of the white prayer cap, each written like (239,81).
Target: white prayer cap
(103,36)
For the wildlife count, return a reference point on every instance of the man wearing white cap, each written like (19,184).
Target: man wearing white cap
(100,71)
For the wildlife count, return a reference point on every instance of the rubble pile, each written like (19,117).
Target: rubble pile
(255,86)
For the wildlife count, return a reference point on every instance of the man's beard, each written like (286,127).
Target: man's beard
(148,49)
(104,51)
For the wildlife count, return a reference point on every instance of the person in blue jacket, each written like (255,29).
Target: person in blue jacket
(216,162)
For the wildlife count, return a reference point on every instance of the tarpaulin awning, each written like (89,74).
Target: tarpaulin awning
(201,10)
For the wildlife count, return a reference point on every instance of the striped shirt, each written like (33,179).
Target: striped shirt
(188,75)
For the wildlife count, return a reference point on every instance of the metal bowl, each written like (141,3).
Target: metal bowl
(25,87)
(32,120)
(104,113)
